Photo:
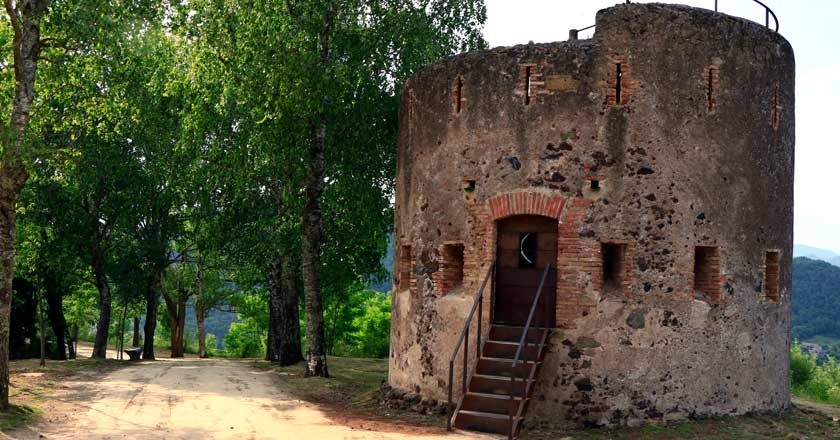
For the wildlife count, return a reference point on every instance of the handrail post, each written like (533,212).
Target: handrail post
(479,334)
(523,342)
(451,407)
(466,356)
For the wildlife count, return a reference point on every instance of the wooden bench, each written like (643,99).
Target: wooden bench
(133,353)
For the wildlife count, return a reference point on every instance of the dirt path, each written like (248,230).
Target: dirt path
(205,399)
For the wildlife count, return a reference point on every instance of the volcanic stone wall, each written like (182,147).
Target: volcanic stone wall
(664,148)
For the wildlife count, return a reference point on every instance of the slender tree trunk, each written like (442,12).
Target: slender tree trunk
(289,351)
(316,358)
(25,22)
(55,312)
(71,342)
(100,343)
(176,309)
(121,342)
(151,318)
(200,313)
(7,264)
(43,336)
(135,338)
(284,320)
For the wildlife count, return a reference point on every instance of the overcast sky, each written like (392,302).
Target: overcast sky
(809,25)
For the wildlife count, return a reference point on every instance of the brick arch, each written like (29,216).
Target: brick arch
(519,203)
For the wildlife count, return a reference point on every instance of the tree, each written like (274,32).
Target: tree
(25,23)
(312,119)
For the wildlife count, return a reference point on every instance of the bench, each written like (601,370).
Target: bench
(133,353)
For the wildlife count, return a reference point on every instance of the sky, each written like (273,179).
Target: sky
(809,25)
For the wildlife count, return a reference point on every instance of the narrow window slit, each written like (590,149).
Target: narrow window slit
(710,90)
(459,87)
(405,267)
(613,259)
(527,85)
(618,75)
(771,275)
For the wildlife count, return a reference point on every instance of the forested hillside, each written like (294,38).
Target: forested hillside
(816,299)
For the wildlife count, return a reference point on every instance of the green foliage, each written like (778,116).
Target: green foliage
(816,299)
(246,338)
(358,323)
(820,382)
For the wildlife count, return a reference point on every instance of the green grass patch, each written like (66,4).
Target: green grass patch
(17,415)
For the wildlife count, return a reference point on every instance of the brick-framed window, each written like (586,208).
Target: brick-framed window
(711,78)
(405,267)
(707,276)
(452,266)
(459,101)
(616,267)
(619,85)
(772,260)
(531,82)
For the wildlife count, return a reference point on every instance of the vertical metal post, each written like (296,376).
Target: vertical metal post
(466,356)
(766,17)
(511,405)
(478,337)
(716,6)
(451,406)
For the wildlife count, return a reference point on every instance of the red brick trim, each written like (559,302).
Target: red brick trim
(628,83)
(521,203)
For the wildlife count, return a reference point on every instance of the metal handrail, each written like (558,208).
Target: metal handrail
(767,14)
(464,339)
(522,340)
(573,33)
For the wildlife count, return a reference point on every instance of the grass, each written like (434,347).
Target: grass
(353,386)
(16,416)
(355,383)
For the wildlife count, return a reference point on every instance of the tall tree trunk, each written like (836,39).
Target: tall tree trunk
(25,20)
(200,313)
(55,312)
(288,334)
(7,264)
(151,318)
(71,342)
(176,309)
(100,342)
(41,330)
(135,338)
(316,357)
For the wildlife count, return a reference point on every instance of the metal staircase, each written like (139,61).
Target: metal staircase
(496,395)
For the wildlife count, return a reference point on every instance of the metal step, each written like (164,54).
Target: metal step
(490,384)
(485,422)
(492,403)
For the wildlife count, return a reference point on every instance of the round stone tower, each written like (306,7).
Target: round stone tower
(651,170)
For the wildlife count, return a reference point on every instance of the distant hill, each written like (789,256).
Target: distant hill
(801,250)
(384,285)
(816,299)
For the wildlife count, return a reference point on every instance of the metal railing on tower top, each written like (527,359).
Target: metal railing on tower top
(768,13)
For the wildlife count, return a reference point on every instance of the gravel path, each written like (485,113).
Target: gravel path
(206,399)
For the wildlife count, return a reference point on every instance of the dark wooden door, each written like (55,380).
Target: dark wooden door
(525,245)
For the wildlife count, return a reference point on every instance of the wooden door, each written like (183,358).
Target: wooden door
(525,245)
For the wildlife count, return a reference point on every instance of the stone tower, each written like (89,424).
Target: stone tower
(651,170)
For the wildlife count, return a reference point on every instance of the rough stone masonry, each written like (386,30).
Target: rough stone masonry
(663,148)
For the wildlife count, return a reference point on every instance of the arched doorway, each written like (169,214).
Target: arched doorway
(525,245)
